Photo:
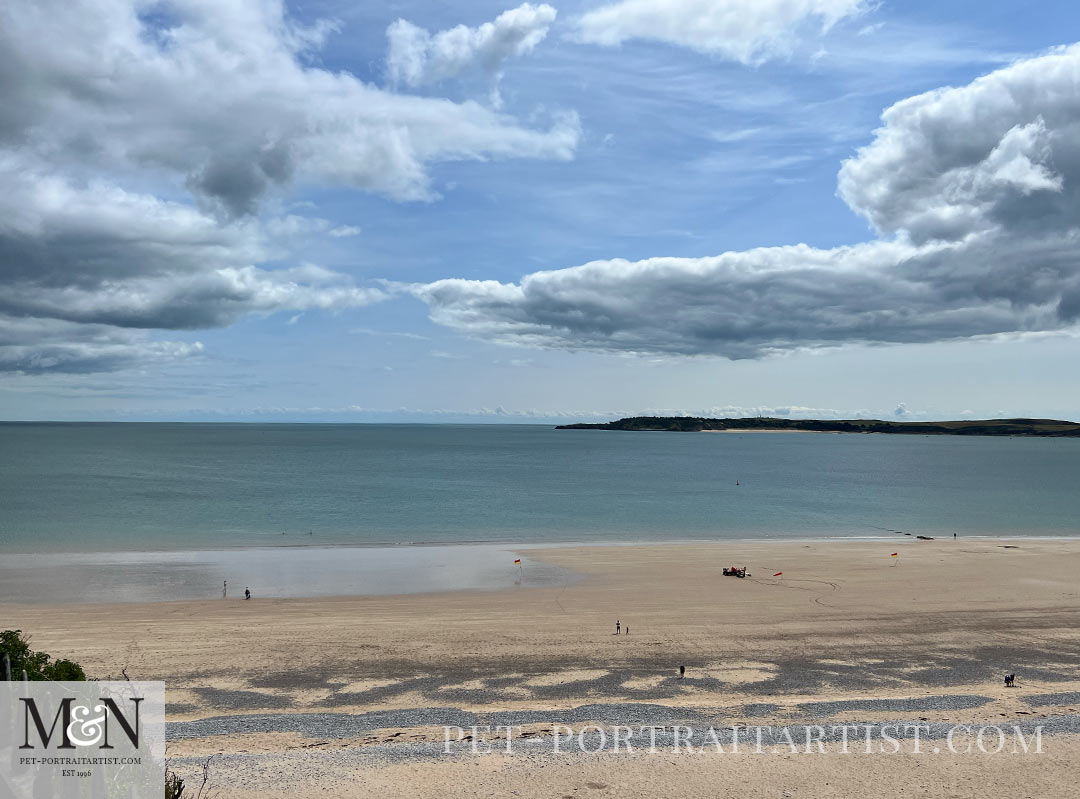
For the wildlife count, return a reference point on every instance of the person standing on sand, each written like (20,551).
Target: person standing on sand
(224,588)
(626,631)
(682,672)
(617,625)
(247,593)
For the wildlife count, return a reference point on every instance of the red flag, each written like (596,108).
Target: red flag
(895,555)
(777,574)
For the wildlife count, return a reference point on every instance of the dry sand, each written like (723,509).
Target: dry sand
(778,774)
(845,621)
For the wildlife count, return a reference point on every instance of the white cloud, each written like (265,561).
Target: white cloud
(367,331)
(139,142)
(747,31)
(974,189)
(220,92)
(419,58)
(952,162)
(345,231)
(534,415)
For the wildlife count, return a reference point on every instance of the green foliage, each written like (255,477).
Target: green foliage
(37,665)
(174,786)
(64,670)
(985,427)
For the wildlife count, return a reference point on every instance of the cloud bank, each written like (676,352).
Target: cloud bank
(747,31)
(973,190)
(418,58)
(140,144)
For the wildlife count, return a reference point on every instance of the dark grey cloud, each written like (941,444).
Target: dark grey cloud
(99,256)
(233,183)
(974,191)
(39,346)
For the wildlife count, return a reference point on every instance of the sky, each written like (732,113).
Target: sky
(259,210)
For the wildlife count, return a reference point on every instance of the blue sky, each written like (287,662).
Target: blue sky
(307,288)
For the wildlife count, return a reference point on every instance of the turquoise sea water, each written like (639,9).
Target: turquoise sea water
(135,487)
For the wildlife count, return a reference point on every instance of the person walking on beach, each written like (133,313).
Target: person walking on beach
(626,630)
(247,593)
(224,588)
(617,625)
(682,672)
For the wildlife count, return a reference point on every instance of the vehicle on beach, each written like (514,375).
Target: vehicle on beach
(735,571)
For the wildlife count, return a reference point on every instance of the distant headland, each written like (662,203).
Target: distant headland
(981,427)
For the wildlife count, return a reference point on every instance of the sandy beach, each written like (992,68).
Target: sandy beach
(351,356)
(298,697)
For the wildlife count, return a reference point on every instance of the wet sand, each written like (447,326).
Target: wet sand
(286,571)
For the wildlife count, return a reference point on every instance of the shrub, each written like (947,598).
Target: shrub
(37,665)
(174,786)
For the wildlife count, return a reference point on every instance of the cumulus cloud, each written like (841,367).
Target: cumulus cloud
(418,57)
(139,143)
(747,31)
(974,191)
(1002,151)
(220,93)
(38,346)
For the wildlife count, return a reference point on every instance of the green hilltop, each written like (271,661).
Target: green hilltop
(981,427)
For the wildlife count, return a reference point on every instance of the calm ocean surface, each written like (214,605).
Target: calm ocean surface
(138,487)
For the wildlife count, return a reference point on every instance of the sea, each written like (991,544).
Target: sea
(129,511)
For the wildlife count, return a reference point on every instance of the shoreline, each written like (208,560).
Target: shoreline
(760,430)
(355,571)
(517,544)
